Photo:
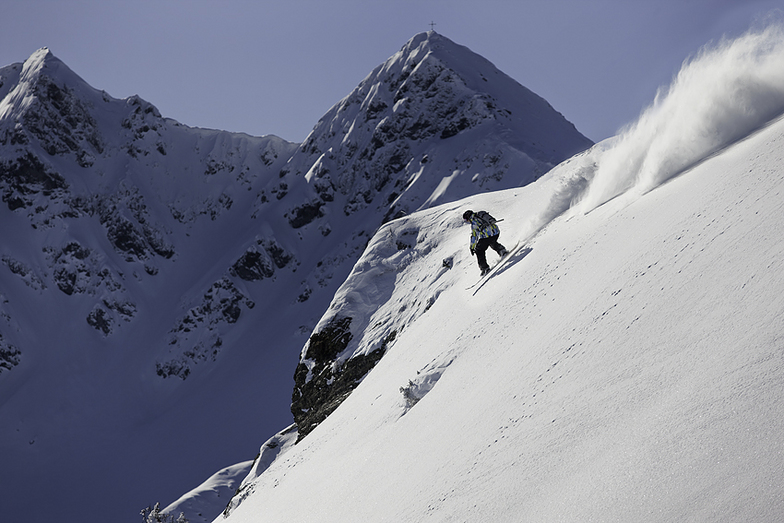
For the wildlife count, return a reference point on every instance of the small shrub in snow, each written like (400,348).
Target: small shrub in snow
(154,515)
(409,395)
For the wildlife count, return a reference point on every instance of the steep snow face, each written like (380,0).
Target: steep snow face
(627,368)
(158,281)
(625,365)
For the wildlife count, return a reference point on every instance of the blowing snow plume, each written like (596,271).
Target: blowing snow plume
(719,96)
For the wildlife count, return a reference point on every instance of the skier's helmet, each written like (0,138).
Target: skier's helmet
(467,215)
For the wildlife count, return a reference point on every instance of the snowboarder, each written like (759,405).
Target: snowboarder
(484,234)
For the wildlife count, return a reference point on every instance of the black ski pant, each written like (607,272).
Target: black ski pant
(481,248)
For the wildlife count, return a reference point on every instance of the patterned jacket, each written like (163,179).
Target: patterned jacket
(478,231)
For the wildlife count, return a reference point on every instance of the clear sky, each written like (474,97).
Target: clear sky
(275,67)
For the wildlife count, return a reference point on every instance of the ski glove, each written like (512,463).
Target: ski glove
(473,251)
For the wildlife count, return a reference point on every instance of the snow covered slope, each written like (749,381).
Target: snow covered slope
(625,365)
(157,282)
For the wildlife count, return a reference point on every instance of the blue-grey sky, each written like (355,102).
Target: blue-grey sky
(275,67)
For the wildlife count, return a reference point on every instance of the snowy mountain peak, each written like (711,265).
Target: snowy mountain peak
(41,71)
(434,123)
(38,60)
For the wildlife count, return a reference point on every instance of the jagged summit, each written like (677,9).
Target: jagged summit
(541,131)
(433,123)
(40,59)
(22,84)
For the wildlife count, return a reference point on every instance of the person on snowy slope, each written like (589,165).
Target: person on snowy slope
(484,234)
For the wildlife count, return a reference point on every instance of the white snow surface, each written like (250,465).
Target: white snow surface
(200,503)
(626,364)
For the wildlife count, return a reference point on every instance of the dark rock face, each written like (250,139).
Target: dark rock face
(75,272)
(259,261)
(9,355)
(136,237)
(104,316)
(24,179)
(252,266)
(320,386)
(62,124)
(99,320)
(305,214)
(221,305)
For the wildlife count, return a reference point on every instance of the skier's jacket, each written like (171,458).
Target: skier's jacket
(482,229)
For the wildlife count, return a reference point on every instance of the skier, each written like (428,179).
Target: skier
(484,234)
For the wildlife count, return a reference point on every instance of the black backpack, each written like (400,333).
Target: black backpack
(485,219)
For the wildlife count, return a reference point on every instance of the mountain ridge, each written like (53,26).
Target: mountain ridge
(156,278)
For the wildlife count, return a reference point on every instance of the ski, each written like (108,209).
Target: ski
(496,267)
